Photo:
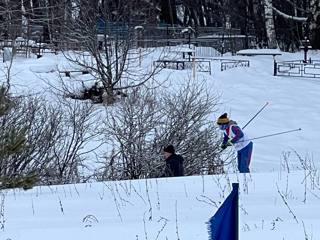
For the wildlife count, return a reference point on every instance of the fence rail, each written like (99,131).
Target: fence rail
(228,64)
(199,65)
(298,68)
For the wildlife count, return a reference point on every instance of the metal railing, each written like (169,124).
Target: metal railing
(228,64)
(199,65)
(298,68)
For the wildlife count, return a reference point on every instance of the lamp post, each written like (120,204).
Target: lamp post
(139,35)
(189,37)
(189,30)
(225,40)
(306,41)
(306,45)
(222,45)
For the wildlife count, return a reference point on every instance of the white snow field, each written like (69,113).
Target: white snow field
(280,199)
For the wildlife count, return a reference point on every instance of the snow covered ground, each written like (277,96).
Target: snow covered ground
(293,104)
(175,208)
(274,203)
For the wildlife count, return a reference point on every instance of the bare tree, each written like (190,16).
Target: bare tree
(10,18)
(147,120)
(107,36)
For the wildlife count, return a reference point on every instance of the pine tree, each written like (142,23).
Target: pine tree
(13,140)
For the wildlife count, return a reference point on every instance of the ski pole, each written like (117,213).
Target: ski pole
(269,135)
(275,134)
(256,115)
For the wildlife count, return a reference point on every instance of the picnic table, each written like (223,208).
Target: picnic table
(184,50)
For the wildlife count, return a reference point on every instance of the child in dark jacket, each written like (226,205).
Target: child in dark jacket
(174,162)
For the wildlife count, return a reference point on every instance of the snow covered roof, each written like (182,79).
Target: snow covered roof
(263,51)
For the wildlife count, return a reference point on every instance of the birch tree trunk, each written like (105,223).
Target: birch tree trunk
(269,23)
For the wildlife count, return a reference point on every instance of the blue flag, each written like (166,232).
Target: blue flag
(224,224)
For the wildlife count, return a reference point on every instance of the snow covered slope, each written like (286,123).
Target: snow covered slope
(274,204)
(174,208)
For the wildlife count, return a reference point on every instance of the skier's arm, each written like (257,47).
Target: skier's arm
(225,139)
(237,132)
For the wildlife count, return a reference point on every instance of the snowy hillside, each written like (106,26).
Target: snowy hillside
(293,102)
(173,208)
(280,199)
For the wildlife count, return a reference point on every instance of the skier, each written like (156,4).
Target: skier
(234,136)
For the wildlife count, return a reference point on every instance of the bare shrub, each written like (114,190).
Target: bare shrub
(77,122)
(43,143)
(147,120)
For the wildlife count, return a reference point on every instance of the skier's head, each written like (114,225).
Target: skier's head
(223,121)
